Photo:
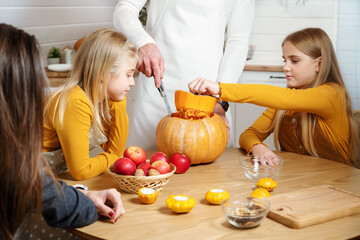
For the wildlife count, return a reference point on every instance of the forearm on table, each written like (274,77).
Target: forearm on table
(251,137)
(258,131)
(74,140)
(81,166)
(63,206)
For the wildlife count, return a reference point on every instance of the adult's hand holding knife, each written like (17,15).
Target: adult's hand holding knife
(151,62)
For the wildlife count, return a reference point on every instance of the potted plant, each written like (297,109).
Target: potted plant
(54,56)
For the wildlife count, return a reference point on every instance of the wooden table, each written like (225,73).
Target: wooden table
(207,221)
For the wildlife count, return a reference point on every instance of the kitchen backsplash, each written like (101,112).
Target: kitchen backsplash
(348,47)
(62,22)
(275,19)
(57,23)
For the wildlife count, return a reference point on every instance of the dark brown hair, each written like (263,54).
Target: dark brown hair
(22,86)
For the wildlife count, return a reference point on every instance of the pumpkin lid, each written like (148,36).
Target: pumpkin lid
(187,100)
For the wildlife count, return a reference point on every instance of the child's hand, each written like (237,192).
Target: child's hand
(264,155)
(203,86)
(108,202)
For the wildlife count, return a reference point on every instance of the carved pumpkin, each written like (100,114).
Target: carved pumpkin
(194,130)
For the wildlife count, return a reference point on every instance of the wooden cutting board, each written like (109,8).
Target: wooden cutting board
(311,206)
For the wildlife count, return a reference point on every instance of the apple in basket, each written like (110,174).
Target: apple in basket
(144,167)
(136,154)
(161,166)
(159,156)
(124,166)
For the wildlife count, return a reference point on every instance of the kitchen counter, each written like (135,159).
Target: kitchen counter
(58,78)
(263,68)
(206,221)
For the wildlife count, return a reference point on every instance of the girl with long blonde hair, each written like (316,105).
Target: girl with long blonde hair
(90,108)
(313,115)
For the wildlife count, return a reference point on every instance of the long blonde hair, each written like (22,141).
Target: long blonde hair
(102,53)
(315,43)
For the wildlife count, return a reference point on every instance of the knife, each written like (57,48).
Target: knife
(163,95)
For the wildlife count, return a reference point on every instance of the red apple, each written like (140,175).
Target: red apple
(161,166)
(159,156)
(181,162)
(124,166)
(145,167)
(135,154)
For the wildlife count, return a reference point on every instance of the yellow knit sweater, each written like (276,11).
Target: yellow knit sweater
(326,101)
(73,136)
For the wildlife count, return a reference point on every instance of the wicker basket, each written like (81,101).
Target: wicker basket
(132,184)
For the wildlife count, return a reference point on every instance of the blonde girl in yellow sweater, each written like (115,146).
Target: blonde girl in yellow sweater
(90,108)
(313,115)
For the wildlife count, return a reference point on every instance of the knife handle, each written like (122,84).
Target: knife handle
(161,90)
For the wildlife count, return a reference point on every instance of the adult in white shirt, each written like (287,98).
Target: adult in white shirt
(192,38)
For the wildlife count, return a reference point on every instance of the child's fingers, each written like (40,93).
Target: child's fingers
(199,86)
(194,85)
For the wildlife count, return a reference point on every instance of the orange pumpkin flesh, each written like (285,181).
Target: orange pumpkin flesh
(186,101)
(194,130)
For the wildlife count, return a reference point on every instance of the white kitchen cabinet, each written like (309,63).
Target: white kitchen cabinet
(245,114)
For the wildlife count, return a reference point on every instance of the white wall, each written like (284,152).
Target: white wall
(348,47)
(275,19)
(57,22)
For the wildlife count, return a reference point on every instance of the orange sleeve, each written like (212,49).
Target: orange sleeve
(119,129)
(319,100)
(74,137)
(252,136)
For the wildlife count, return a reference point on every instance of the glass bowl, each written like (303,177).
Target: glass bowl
(254,168)
(246,212)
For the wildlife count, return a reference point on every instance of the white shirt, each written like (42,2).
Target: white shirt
(197,38)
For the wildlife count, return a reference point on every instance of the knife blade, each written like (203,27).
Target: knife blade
(166,100)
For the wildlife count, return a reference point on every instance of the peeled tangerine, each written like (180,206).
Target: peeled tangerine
(147,195)
(180,203)
(260,193)
(215,196)
(266,183)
